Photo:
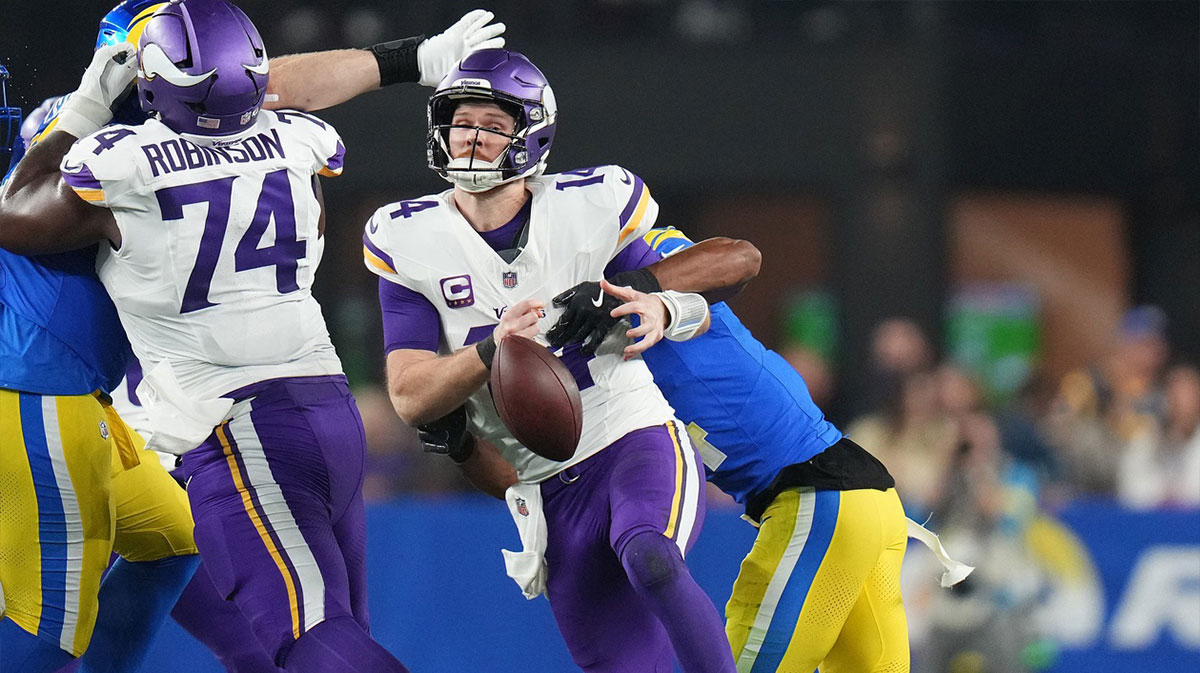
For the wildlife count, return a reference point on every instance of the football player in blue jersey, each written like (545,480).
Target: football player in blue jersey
(68,456)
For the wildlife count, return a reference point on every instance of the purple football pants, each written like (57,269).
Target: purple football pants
(276,494)
(619,524)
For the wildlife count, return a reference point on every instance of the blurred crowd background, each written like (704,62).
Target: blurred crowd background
(980,224)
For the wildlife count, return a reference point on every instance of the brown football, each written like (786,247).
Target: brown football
(537,398)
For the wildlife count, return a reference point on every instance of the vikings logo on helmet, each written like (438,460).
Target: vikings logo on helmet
(511,81)
(202,68)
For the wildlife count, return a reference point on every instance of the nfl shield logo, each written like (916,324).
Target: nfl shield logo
(521,508)
(510,279)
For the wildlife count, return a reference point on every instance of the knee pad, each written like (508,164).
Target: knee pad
(650,559)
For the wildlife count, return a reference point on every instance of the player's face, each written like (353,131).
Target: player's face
(482,128)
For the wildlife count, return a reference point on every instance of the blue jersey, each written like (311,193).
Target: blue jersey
(59,331)
(747,410)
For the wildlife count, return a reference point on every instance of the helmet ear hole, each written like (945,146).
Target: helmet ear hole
(542,142)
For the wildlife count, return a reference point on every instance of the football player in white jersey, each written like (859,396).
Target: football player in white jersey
(210,232)
(463,269)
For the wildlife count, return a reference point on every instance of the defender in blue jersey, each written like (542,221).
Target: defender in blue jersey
(821,585)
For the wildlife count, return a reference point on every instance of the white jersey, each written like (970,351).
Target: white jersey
(578,222)
(219,246)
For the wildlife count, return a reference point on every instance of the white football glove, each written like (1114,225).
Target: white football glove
(107,78)
(437,55)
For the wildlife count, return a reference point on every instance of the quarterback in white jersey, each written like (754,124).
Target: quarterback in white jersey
(427,246)
(606,531)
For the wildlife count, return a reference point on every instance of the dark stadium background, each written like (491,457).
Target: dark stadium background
(889,158)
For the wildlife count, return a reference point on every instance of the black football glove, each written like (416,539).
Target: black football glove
(448,436)
(588,317)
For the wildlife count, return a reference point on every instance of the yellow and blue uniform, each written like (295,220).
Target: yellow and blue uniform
(74,483)
(820,587)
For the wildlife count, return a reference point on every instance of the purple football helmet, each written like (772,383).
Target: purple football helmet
(202,68)
(509,80)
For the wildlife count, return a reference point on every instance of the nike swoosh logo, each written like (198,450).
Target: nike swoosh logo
(599,301)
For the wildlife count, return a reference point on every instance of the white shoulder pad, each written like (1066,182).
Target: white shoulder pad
(100,166)
(390,234)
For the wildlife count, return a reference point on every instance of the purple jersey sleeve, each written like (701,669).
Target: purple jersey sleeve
(634,256)
(409,320)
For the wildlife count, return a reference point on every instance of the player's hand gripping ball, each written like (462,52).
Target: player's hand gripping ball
(537,398)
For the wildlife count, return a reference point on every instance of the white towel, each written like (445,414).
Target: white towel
(955,570)
(178,423)
(528,566)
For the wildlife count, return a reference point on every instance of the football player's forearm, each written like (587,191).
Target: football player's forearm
(717,268)
(38,212)
(487,470)
(428,389)
(319,80)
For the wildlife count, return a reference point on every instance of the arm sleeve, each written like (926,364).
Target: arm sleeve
(409,320)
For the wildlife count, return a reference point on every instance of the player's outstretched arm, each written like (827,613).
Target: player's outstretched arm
(319,80)
(715,268)
(424,386)
(718,268)
(39,212)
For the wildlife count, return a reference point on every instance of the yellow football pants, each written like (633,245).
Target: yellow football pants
(66,502)
(821,586)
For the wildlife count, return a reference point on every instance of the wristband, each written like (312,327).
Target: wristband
(642,280)
(687,312)
(486,349)
(397,60)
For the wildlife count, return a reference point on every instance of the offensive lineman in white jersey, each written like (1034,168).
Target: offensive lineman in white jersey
(463,269)
(210,229)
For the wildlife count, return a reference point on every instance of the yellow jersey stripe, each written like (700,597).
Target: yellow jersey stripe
(375,261)
(673,520)
(90,195)
(258,525)
(329,173)
(636,220)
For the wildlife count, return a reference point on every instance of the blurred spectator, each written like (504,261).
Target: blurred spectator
(1161,465)
(1021,434)
(1105,405)
(987,510)
(915,439)
(898,348)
